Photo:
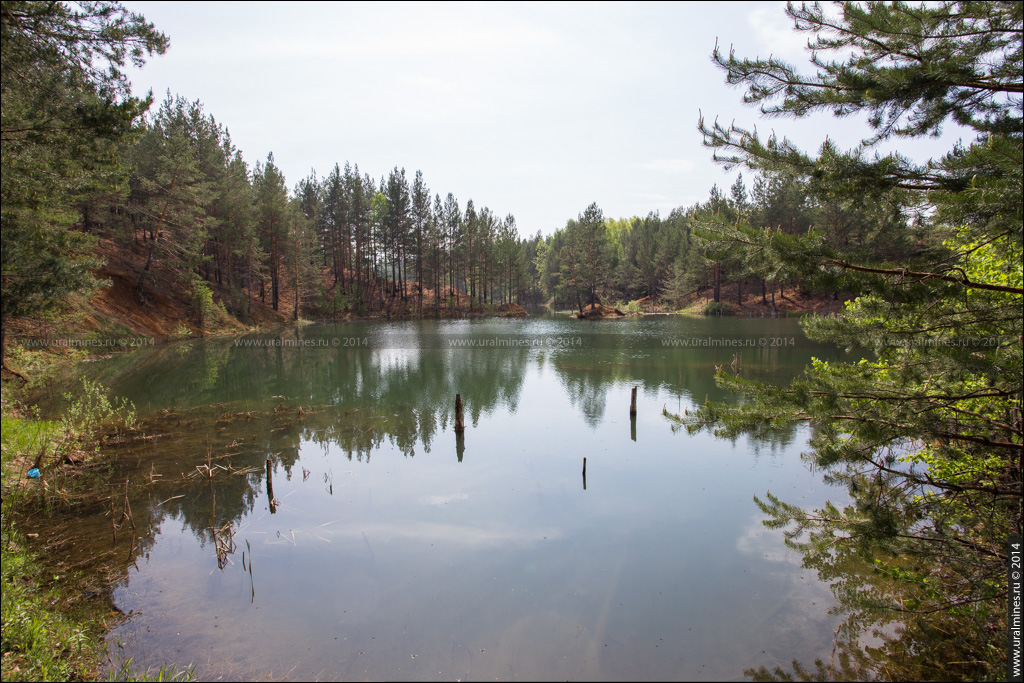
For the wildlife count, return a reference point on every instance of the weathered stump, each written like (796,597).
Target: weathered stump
(270,486)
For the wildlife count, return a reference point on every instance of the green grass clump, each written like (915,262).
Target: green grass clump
(716,308)
(39,642)
(123,672)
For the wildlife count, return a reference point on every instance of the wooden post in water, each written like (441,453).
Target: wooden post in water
(632,416)
(460,445)
(460,424)
(584,474)
(270,486)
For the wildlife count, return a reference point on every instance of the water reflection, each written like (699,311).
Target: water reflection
(337,514)
(420,366)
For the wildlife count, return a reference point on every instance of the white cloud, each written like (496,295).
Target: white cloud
(455,534)
(650,197)
(431,83)
(669,165)
(444,500)
(775,35)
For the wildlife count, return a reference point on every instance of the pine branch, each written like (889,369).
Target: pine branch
(906,272)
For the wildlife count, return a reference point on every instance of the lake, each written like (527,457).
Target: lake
(389,547)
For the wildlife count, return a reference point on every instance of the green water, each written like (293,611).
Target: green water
(394,549)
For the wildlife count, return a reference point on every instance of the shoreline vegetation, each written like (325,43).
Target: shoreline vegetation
(56,613)
(115,318)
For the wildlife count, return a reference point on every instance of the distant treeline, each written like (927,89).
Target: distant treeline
(350,244)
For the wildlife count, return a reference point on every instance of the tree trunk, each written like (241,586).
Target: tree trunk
(3,350)
(295,313)
(145,270)
(248,285)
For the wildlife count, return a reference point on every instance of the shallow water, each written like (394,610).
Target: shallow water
(395,550)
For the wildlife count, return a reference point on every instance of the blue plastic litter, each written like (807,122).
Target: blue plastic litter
(34,473)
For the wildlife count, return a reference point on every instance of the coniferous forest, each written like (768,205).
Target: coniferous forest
(922,262)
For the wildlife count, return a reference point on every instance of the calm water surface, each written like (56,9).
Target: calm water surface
(394,550)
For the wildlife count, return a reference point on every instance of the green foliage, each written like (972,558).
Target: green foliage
(123,672)
(584,256)
(716,308)
(46,634)
(181,331)
(270,202)
(629,307)
(25,436)
(175,167)
(88,411)
(910,69)
(646,252)
(202,301)
(39,643)
(926,437)
(211,314)
(926,432)
(66,106)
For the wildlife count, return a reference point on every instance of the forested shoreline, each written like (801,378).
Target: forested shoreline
(348,245)
(171,191)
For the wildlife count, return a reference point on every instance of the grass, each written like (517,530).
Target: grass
(171,672)
(717,308)
(42,365)
(629,307)
(39,642)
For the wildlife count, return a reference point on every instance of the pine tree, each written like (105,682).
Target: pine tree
(270,199)
(593,245)
(510,259)
(172,188)
(397,228)
(738,196)
(233,197)
(452,222)
(641,257)
(420,216)
(438,260)
(302,236)
(471,228)
(927,434)
(335,230)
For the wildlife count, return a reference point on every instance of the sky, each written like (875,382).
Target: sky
(531,109)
